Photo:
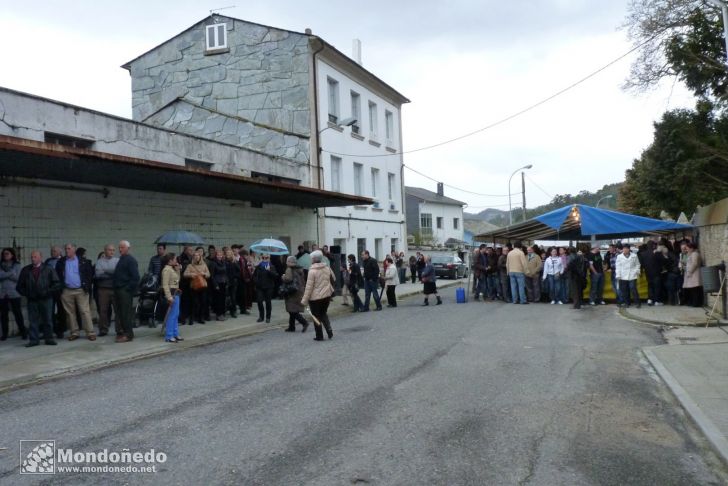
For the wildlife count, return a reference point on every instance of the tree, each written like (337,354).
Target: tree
(684,167)
(680,39)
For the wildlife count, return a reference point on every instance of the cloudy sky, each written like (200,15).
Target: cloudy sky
(464,64)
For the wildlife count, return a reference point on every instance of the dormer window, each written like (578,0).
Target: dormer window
(216,37)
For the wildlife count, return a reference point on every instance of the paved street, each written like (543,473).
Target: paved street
(454,394)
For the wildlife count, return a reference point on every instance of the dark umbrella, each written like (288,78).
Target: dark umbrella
(179,237)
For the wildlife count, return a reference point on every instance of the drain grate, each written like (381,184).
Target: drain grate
(687,338)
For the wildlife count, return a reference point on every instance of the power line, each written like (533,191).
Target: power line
(539,187)
(456,188)
(509,117)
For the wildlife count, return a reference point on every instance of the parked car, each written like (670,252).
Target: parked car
(449,266)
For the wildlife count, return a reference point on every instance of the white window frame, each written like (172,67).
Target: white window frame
(373,122)
(456,223)
(358,182)
(440,222)
(215,31)
(391,181)
(389,127)
(335,173)
(356,111)
(425,218)
(333,97)
(375,182)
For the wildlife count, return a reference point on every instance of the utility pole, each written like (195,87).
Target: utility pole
(523,192)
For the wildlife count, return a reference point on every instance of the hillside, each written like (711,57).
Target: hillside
(500,218)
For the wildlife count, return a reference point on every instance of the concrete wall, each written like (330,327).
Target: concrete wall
(38,217)
(417,207)
(712,223)
(254,94)
(27,116)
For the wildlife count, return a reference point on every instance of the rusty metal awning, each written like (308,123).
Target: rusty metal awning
(25,158)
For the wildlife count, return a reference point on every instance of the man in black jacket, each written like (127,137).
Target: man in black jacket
(126,282)
(265,277)
(76,274)
(371,281)
(37,283)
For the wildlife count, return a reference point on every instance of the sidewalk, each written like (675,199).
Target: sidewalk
(21,366)
(671,315)
(694,365)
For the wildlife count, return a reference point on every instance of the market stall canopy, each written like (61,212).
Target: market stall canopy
(580,222)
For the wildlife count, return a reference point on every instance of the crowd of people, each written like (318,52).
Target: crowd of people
(560,275)
(200,283)
(193,287)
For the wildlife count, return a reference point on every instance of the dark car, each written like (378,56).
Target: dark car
(449,266)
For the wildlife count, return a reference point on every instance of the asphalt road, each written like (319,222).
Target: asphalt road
(453,394)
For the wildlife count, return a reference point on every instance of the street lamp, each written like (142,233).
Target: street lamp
(602,199)
(510,212)
(724,8)
(346,122)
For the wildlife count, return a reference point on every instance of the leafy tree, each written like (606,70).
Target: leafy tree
(685,166)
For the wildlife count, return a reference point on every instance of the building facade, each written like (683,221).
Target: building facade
(70,174)
(285,94)
(432,218)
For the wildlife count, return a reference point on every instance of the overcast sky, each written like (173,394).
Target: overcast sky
(464,65)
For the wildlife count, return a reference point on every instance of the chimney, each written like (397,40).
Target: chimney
(440,189)
(356,51)
(308,31)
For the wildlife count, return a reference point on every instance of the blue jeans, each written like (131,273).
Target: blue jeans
(565,287)
(554,288)
(492,285)
(628,288)
(596,292)
(482,286)
(615,287)
(518,287)
(172,326)
(370,287)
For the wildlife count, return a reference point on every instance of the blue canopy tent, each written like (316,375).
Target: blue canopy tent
(579,222)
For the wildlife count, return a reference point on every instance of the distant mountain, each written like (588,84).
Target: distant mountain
(499,218)
(486,215)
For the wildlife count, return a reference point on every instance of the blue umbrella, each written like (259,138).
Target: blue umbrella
(270,246)
(179,237)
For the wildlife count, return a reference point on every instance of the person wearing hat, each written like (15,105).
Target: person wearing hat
(596,272)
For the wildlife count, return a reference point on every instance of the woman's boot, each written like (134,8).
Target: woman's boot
(426,302)
(319,333)
(439,301)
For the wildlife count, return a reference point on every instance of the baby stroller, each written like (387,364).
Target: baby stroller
(146,309)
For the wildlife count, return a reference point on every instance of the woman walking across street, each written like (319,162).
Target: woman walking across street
(9,296)
(692,283)
(319,288)
(429,280)
(413,268)
(391,277)
(198,273)
(294,281)
(170,287)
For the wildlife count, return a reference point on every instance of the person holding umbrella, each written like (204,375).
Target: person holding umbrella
(265,277)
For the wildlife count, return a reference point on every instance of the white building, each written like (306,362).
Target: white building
(285,94)
(433,218)
(363,159)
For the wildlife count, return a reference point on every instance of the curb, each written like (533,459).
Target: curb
(714,322)
(706,426)
(14,384)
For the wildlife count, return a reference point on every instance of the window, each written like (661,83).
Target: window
(439,222)
(333,86)
(375,182)
(378,249)
(455,223)
(425,221)
(335,174)
(273,178)
(198,164)
(394,244)
(389,126)
(68,141)
(373,120)
(355,111)
(358,174)
(216,37)
(390,186)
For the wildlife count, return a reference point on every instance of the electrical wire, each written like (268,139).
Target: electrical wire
(457,188)
(509,117)
(539,187)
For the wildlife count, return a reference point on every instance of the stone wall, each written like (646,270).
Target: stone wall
(712,223)
(255,94)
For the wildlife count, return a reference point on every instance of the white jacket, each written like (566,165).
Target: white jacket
(628,268)
(552,266)
(390,276)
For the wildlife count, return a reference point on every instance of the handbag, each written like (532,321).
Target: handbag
(198,282)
